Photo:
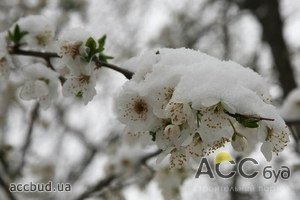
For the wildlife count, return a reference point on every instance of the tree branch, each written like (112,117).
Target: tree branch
(125,72)
(272,29)
(34,116)
(45,55)
(100,185)
(5,187)
(48,55)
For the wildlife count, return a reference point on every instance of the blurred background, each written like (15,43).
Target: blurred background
(83,145)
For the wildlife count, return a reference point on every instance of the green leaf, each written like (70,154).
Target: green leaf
(10,35)
(248,122)
(104,58)
(17,34)
(96,49)
(92,48)
(91,44)
(101,43)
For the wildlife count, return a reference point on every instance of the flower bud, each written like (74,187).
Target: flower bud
(239,143)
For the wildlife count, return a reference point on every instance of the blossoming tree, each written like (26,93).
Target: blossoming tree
(181,103)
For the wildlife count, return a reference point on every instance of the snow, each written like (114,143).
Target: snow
(195,91)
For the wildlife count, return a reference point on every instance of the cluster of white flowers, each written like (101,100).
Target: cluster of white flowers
(75,68)
(81,80)
(192,104)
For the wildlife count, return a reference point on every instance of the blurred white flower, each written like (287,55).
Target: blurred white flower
(41,84)
(170,181)
(40,31)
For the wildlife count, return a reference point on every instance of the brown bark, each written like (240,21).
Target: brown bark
(267,13)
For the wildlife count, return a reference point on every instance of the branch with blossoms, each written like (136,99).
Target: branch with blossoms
(81,55)
(15,50)
(188,112)
(246,120)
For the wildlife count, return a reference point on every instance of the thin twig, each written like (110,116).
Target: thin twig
(237,115)
(5,187)
(97,187)
(128,74)
(48,55)
(44,55)
(100,185)
(28,139)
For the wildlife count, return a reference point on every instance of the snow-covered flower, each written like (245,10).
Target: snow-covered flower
(204,103)
(41,84)
(40,31)
(80,82)
(160,98)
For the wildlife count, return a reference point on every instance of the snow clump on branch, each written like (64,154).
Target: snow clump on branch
(191,104)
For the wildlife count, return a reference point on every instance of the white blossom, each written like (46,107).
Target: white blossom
(274,140)
(214,123)
(171,136)
(203,102)
(40,31)
(41,84)
(178,112)
(80,82)
(71,44)
(178,158)
(250,136)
